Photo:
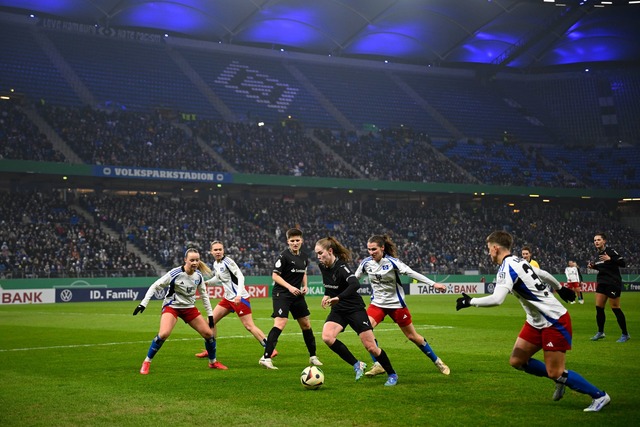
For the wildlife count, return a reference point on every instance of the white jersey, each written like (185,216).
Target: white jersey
(384,276)
(573,276)
(518,277)
(228,274)
(182,290)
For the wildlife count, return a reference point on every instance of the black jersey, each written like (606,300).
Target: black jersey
(609,271)
(291,268)
(339,281)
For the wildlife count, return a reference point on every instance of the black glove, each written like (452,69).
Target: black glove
(463,302)
(566,294)
(211,322)
(139,309)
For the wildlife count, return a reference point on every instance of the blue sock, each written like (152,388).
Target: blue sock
(210,345)
(536,367)
(154,347)
(576,382)
(426,349)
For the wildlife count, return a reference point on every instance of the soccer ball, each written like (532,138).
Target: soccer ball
(312,378)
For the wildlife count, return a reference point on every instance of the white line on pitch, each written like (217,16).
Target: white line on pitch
(225,337)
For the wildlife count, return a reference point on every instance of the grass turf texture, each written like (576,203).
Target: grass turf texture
(77,364)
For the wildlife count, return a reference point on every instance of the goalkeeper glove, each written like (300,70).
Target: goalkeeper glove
(463,302)
(139,309)
(211,322)
(566,294)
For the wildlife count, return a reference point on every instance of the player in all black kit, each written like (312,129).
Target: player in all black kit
(609,286)
(347,308)
(289,288)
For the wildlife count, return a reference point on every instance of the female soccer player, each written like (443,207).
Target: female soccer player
(289,288)
(384,268)
(609,286)
(347,308)
(236,298)
(548,324)
(179,301)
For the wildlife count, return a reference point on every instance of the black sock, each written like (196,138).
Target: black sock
(600,318)
(622,321)
(310,341)
(341,350)
(272,340)
(385,362)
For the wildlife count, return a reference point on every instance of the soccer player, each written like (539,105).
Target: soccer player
(289,288)
(236,297)
(609,286)
(574,280)
(347,308)
(548,324)
(384,269)
(179,302)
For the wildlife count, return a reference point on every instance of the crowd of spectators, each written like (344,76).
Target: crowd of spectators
(282,150)
(42,236)
(20,139)
(120,138)
(393,156)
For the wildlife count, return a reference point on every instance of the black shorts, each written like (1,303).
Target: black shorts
(285,303)
(358,320)
(611,291)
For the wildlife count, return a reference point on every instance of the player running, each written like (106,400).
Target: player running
(387,299)
(548,324)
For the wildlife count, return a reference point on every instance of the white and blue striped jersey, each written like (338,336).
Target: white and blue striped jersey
(384,276)
(527,284)
(228,274)
(182,290)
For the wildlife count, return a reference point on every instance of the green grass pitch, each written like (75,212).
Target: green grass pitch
(77,364)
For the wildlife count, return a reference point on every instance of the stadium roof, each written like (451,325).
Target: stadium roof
(522,34)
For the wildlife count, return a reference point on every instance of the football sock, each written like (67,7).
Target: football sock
(426,349)
(385,362)
(272,340)
(576,382)
(310,341)
(154,347)
(535,367)
(563,378)
(600,318)
(341,350)
(210,345)
(372,356)
(622,321)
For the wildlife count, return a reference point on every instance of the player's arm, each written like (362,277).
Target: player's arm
(159,284)
(277,278)
(421,278)
(547,278)
(565,293)
(616,258)
(496,298)
(305,286)
(204,296)
(235,270)
(352,285)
